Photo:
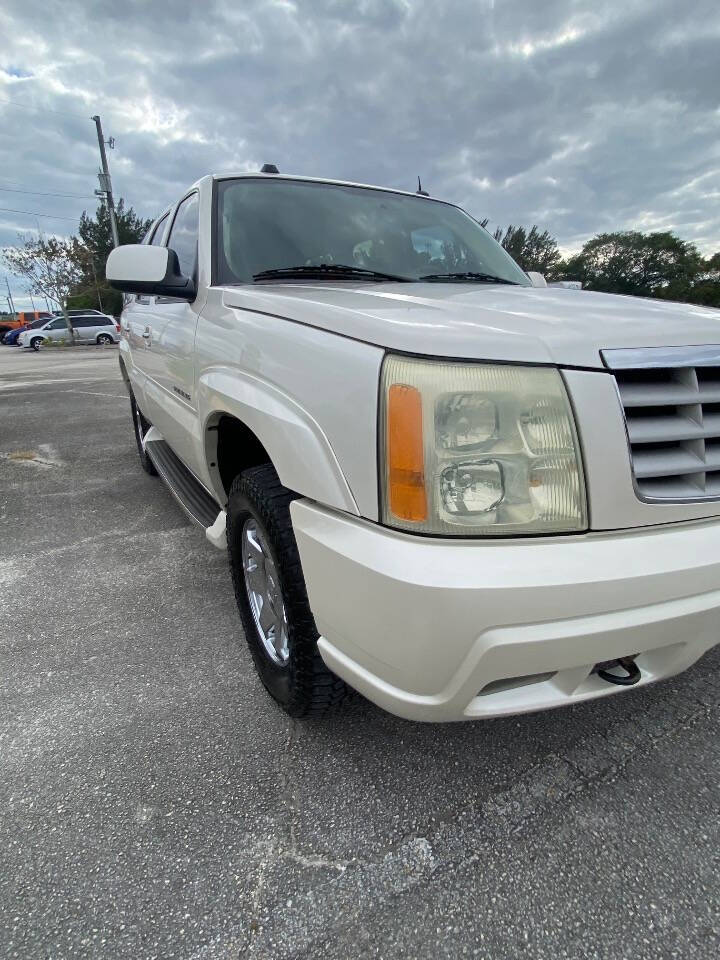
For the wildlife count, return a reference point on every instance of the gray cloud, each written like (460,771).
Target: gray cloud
(576,115)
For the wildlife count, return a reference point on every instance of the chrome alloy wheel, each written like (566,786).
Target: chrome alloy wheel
(263,591)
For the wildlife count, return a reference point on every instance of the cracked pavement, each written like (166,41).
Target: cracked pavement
(155,802)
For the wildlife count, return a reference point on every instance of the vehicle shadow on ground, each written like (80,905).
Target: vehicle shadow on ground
(382,774)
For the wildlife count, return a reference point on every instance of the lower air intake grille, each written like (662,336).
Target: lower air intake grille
(671,399)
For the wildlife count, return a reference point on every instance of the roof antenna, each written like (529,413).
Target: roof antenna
(423,193)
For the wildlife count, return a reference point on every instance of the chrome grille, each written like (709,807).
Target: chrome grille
(671,399)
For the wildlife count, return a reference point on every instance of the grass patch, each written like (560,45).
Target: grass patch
(22,455)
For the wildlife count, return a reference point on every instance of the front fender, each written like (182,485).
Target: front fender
(299,449)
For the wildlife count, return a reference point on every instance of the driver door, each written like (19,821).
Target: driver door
(137,322)
(169,337)
(56,331)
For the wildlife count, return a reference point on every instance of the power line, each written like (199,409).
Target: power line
(38,193)
(34,213)
(29,106)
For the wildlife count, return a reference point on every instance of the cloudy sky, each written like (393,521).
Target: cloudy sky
(578,115)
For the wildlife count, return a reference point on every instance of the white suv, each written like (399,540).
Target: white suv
(441,482)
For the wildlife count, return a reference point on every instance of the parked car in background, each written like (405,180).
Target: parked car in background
(22,319)
(85,313)
(11,337)
(90,326)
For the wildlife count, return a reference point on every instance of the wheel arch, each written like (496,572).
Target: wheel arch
(247,421)
(231,447)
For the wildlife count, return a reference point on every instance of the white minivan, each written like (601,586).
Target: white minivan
(90,326)
(440,481)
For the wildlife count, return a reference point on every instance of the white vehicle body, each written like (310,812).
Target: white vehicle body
(440,627)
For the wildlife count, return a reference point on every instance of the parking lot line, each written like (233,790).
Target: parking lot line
(23,384)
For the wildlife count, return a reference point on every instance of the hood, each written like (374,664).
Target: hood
(485,322)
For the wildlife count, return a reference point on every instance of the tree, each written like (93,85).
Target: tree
(49,267)
(531,249)
(643,264)
(706,289)
(95,235)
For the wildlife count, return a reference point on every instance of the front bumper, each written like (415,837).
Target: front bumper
(440,630)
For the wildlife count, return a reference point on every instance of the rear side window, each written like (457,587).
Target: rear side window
(84,322)
(157,236)
(183,237)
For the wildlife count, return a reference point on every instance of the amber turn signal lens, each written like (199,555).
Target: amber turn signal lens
(406,469)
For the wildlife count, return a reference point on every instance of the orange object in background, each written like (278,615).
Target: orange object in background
(21,319)
(406,466)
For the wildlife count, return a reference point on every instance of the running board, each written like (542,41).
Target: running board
(189,492)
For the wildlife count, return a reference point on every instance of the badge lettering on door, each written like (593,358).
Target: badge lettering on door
(181,393)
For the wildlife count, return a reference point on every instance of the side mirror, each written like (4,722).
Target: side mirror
(141,268)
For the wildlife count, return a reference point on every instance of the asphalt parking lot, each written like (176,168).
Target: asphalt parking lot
(155,803)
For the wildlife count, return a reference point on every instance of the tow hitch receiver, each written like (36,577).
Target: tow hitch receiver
(631,670)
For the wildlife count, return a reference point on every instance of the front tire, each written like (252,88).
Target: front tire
(36,343)
(141,427)
(272,599)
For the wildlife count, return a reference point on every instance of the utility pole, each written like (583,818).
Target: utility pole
(104,178)
(10,299)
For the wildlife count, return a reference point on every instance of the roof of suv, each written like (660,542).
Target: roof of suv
(337,183)
(215,177)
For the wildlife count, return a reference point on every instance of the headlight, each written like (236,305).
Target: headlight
(478,449)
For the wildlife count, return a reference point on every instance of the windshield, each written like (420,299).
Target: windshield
(267,225)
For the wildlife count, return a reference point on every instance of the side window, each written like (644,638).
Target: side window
(81,322)
(58,324)
(157,237)
(183,237)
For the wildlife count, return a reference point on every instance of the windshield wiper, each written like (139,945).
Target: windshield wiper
(468,276)
(327,271)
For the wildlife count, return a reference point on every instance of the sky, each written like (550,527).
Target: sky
(579,116)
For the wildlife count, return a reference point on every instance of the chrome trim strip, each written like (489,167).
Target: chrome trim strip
(647,358)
